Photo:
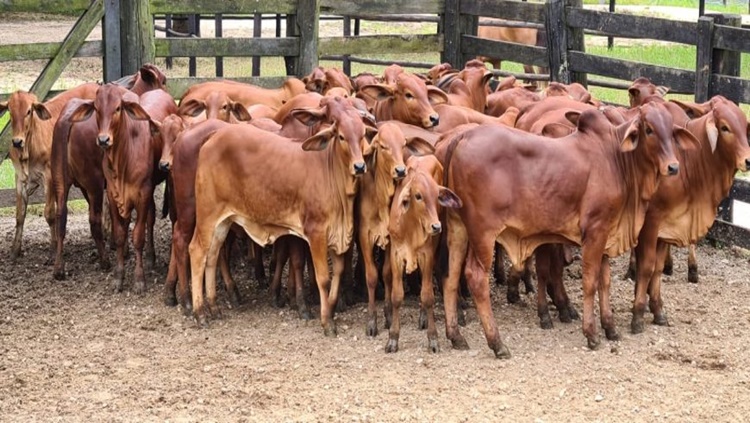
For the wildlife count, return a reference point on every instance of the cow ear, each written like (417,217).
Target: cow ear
(419,147)
(135,111)
(510,117)
(319,141)
(506,83)
(309,116)
(712,132)
(662,90)
(378,92)
(149,76)
(687,141)
(239,111)
(693,110)
(628,134)
(370,133)
(83,112)
(634,96)
(448,198)
(557,130)
(436,96)
(573,116)
(192,107)
(154,126)
(41,111)
(486,78)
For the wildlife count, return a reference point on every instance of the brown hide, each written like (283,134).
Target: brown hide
(518,97)
(247,94)
(604,218)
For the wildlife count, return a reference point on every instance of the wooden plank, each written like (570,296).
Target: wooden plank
(740,190)
(704,59)
(679,81)
(213,7)
(731,38)
(226,47)
(452,34)
(505,9)
(73,41)
(177,86)
(467,25)
(378,7)
(308,20)
(731,87)
(8,197)
(370,44)
(146,32)
(66,7)
(46,51)
(726,62)
(557,40)
(520,53)
(576,42)
(620,24)
(111,35)
(367,61)
(730,234)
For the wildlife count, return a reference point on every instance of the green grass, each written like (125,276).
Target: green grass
(692,4)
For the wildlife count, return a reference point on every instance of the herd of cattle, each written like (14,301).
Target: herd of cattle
(438,170)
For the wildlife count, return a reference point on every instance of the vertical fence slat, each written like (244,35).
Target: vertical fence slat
(137,34)
(219,28)
(257,33)
(308,17)
(451,34)
(557,39)
(112,46)
(704,59)
(346,64)
(576,42)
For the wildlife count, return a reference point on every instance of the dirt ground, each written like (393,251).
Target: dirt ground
(75,351)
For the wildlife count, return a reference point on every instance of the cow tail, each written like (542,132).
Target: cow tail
(165,200)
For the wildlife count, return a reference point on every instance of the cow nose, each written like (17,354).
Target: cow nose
(435,119)
(17,142)
(359,168)
(164,166)
(747,164)
(436,228)
(103,140)
(673,168)
(400,172)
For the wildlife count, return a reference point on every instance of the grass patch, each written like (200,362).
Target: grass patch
(737,8)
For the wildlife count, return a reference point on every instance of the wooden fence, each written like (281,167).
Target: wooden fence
(129,41)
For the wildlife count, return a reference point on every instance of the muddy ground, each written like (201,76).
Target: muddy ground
(75,351)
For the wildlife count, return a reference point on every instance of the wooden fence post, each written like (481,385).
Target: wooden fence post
(575,42)
(304,25)
(704,59)
(137,34)
(725,62)
(455,25)
(111,36)
(557,40)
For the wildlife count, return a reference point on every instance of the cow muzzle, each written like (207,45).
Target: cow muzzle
(360,168)
(435,120)
(103,140)
(747,165)
(17,142)
(436,228)
(400,172)
(164,166)
(673,169)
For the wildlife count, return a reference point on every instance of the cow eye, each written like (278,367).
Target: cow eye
(418,196)
(28,113)
(649,131)
(409,96)
(117,109)
(341,137)
(725,128)
(224,107)
(405,202)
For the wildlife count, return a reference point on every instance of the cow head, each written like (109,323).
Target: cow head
(728,136)
(171,127)
(216,105)
(388,148)
(24,109)
(411,100)
(148,78)
(316,81)
(112,104)
(415,208)
(642,88)
(347,135)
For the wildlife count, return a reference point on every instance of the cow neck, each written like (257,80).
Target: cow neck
(344,188)
(638,181)
(122,169)
(378,187)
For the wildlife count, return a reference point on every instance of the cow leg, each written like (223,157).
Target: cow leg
(61,220)
(49,216)
(367,257)
(514,278)
(526,277)
(22,201)
(655,303)
(388,286)
(107,224)
(319,252)
(180,242)
(260,270)
(233,292)
(499,268)
(478,260)
(120,233)
(632,268)
(645,253)
(565,309)
(297,254)
(457,242)
(96,200)
(396,299)
(170,287)
(150,259)
(593,250)
(543,267)
(427,299)
(669,265)
(347,282)
(212,257)
(605,304)
(139,241)
(692,264)
(280,254)
(338,270)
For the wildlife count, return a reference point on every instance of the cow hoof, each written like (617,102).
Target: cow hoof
(432,346)
(529,287)
(14,255)
(372,328)
(117,286)
(611,334)
(565,315)
(422,323)
(391,346)
(693,275)
(139,287)
(630,274)
(502,352)
(170,301)
(661,320)
(234,299)
(573,313)
(304,314)
(105,265)
(668,270)
(461,317)
(636,325)
(59,274)
(330,331)
(280,301)
(545,322)
(202,321)
(513,297)
(593,342)
(459,343)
